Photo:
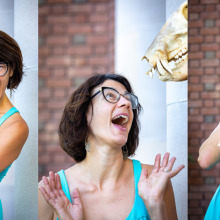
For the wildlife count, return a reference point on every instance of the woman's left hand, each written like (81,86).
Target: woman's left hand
(152,187)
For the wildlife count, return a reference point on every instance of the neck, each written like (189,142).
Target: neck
(104,165)
(5,104)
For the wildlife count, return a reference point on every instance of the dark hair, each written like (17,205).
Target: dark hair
(10,52)
(74,128)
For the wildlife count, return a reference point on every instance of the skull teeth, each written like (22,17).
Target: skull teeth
(181,55)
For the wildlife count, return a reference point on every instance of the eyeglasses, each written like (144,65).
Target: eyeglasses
(3,68)
(111,95)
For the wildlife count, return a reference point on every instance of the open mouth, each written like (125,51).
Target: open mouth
(120,120)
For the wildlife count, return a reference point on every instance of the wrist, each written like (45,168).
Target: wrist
(156,209)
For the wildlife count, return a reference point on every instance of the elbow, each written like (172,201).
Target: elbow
(204,162)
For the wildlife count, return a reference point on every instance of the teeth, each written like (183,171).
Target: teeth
(166,65)
(180,54)
(150,74)
(160,68)
(122,116)
(184,50)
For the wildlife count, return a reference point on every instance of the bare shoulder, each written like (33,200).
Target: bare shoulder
(17,127)
(147,167)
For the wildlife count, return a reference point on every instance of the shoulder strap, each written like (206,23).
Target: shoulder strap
(8,114)
(137,173)
(64,184)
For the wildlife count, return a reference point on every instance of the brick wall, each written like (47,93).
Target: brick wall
(204,99)
(76,39)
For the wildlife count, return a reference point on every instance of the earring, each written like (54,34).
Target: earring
(125,151)
(87,146)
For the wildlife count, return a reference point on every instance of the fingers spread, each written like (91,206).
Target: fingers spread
(144,174)
(52,179)
(57,181)
(176,171)
(156,164)
(165,160)
(47,197)
(169,166)
(48,187)
(76,197)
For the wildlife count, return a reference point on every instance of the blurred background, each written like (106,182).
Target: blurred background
(18,190)
(78,38)
(204,99)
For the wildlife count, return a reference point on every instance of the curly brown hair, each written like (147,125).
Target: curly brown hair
(10,52)
(74,128)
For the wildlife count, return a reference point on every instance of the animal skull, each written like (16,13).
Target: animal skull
(168,54)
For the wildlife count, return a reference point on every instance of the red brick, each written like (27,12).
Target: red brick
(209,31)
(59,19)
(82,29)
(209,1)
(209,62)
(195,55)
(58,1)
(197,39)
(210,111)
(196,8)
(79,50)
(55,83)
(205,15)
(210,95)
(99,18)
(58,61)
(80,8)
(209,47)
(208,103)
(193,16)
(195,24)
(209,39)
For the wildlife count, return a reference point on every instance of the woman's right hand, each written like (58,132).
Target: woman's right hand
(56,198)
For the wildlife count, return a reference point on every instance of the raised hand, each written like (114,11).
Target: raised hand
(56,198)
(151,188)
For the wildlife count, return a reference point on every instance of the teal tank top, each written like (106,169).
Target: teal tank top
(138,212)
(3,173)
(213,211)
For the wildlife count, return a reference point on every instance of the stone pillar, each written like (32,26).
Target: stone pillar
(26,100)
(177,121)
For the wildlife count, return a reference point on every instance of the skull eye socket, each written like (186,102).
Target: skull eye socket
(185,12)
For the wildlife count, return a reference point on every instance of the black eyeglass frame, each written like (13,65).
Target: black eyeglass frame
(6,69)
(127,93)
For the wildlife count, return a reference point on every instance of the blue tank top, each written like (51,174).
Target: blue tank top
(213,211)
(138,212)
(2,119)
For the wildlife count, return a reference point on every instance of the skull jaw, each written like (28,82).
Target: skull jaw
(180,72)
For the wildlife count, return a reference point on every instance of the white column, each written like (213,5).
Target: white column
(26,100)
(136,25)
(177,121)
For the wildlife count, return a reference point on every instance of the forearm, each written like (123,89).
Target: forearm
(156,210)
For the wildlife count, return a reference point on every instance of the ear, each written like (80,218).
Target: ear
(11,71)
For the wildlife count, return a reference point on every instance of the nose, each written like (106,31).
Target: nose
(123,102)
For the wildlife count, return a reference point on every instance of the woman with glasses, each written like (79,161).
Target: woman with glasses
(99,129)
(13,128)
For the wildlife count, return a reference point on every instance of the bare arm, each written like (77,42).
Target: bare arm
(156,190)
(209,152)
(57,202)
(12,139)
(45,211)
